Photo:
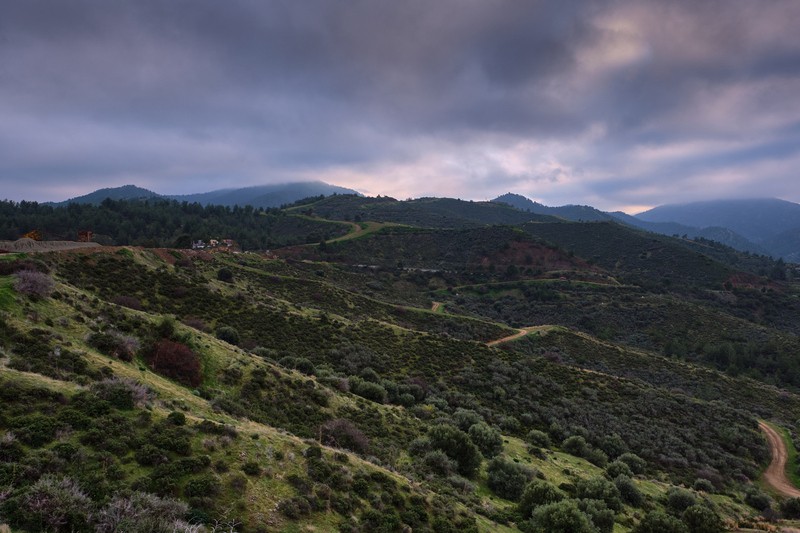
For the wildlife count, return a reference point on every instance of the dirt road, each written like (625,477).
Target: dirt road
(520,333)
(775,474)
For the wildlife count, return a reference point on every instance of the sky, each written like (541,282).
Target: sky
(616,104)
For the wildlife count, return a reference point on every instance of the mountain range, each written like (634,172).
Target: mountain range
(758,226)
(258,196)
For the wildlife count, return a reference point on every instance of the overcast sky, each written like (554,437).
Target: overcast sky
(616,104)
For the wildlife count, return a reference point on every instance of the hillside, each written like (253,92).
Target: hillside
(455,375)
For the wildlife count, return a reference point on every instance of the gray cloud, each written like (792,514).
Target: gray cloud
(624,102)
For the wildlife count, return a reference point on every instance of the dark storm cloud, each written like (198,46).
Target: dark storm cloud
(619,100)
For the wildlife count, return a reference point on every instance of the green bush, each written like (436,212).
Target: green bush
(628,491)
(701,519)
(538,438)
(598,488)
(205,485)
(457,445)
(634,462)
(439,463)
(487,439)
(659,522)
(678,500)
(560,517)
(618,468)
(228,334)
(507,479)
(537,493)
(599,514)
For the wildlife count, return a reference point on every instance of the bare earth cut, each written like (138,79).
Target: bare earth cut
(775,474)
(29,245)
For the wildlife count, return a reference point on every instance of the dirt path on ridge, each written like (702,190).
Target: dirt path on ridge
(775,475)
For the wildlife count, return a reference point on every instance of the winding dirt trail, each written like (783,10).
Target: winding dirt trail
(520,333)
(775,475)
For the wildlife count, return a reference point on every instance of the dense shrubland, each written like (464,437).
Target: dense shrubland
(408,418)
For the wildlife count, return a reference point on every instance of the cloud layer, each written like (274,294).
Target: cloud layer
(617,104)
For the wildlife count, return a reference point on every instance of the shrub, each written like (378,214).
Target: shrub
(140,512)
(439,463)
(225,275)
(34,284)
(176,418)
(703,485)
(575,445)
(205,485)
(790,508)
(561,517)
(537,493)
(251,468)
(678,500)
(659,522)
(634,462)
(367,389)
(538,438)
(175,360)
(149,455)
(618,468)
(466,418)
(35,429)
(487,439)
(598,488)
(131,302)
(114,344)
(507,479)
(122,393)
(457,445)
(628,491)
(228,334)
(757,499)
(701,519)
(55,504)
(343,433)
(601,516)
